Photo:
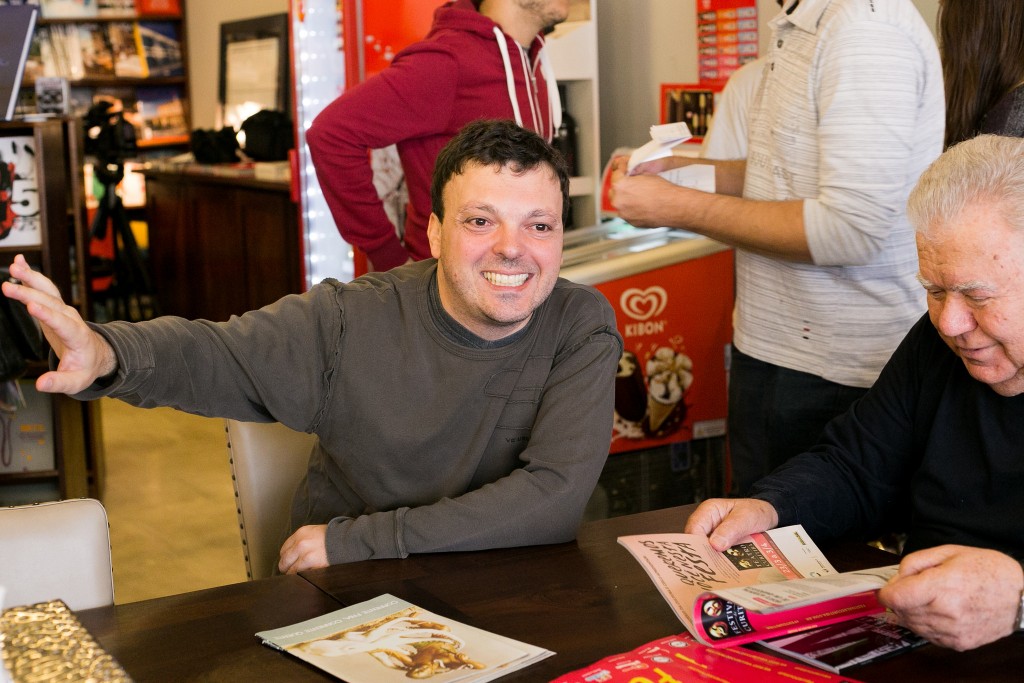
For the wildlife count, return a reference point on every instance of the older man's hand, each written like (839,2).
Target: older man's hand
(956,596)
(726,520)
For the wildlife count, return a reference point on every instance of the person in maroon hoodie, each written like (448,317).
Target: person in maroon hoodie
(482,59)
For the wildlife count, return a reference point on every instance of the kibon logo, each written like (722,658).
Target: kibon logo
(642,305)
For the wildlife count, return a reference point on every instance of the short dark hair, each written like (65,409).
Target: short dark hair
(493,142)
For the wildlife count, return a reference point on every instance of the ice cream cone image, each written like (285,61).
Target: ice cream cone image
(657,412)
(668,377)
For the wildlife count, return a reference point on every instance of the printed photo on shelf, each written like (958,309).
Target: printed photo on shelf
(115,8)
(125,48)
(161,115)
(68,9)
(97,57)
(161,48)
(19,192)
(146,8)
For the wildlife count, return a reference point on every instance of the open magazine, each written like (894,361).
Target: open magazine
(387,639)
(838,647)
(769,584)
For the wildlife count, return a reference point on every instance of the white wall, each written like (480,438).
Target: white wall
(204,18)
(643,43)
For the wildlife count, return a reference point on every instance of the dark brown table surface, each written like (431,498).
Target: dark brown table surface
(583,600)
(589,599)
(209,635)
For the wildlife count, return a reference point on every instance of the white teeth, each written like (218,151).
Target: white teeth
(502,280)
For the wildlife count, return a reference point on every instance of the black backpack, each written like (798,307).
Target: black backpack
(268,136)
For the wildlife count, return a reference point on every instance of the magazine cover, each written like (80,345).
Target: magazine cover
(681,658)
(390,640)
(19,193)
(776,582)
(851,643)
(161,48)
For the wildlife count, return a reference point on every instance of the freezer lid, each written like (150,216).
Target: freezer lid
(639,253)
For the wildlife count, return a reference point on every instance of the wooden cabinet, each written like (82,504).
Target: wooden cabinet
(45,156)
(220,246)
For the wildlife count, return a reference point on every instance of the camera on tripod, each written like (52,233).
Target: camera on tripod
(111,139)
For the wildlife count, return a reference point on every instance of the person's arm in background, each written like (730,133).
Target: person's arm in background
(861,179)
(402,102)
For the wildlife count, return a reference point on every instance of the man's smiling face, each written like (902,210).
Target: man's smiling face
(499,248)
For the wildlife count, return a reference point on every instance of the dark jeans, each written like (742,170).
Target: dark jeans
(776,413)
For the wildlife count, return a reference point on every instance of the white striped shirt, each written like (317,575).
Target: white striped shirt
(851,110)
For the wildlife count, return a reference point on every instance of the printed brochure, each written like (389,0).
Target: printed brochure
(681,658)
(388,640)
(769,584)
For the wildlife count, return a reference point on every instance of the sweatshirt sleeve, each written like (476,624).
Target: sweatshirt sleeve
(253,367)
(540,502)
(412,98)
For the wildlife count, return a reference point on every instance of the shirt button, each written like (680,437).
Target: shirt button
(778,44)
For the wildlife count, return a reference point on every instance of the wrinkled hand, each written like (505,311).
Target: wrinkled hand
(726,520)
(305,549)
(955,596)
(84,355)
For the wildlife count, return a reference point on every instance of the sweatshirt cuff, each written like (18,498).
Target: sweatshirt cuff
(368,537)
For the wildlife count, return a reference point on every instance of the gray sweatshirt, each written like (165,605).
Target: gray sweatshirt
(426,442)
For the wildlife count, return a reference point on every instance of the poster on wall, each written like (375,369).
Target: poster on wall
(675,322)
(726,39)
(19,193)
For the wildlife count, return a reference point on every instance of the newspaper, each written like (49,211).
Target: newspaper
(769,584)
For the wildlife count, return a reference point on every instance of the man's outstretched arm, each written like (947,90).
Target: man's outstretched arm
(84,355)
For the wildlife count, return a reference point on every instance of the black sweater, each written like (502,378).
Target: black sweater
(929,449)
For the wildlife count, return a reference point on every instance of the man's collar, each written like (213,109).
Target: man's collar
(804,14)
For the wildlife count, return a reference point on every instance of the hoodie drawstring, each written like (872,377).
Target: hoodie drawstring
(554,101)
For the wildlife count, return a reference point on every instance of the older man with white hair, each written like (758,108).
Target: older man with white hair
(934,448)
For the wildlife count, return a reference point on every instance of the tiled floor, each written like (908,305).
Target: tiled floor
(168,494)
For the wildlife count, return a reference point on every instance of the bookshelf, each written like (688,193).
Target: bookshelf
(53,449)
(132,53)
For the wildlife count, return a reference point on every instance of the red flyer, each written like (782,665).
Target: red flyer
(679,658)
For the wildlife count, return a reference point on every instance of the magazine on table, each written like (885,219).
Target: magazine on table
(387,639)
(769,584)
(847,644)
(681,658)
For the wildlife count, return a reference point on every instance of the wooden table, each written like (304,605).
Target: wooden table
(209,635)
(583,600)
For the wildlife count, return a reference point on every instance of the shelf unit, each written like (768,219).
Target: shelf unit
(155,89)
(76,438)
(572,48)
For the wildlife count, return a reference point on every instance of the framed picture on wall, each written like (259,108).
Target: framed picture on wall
(253,67)
(692,104)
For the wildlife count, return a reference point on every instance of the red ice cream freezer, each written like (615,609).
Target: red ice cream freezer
(672,292)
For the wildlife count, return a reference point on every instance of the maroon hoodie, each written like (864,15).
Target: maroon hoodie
(432,88)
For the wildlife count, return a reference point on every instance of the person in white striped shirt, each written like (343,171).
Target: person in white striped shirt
(850,112)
